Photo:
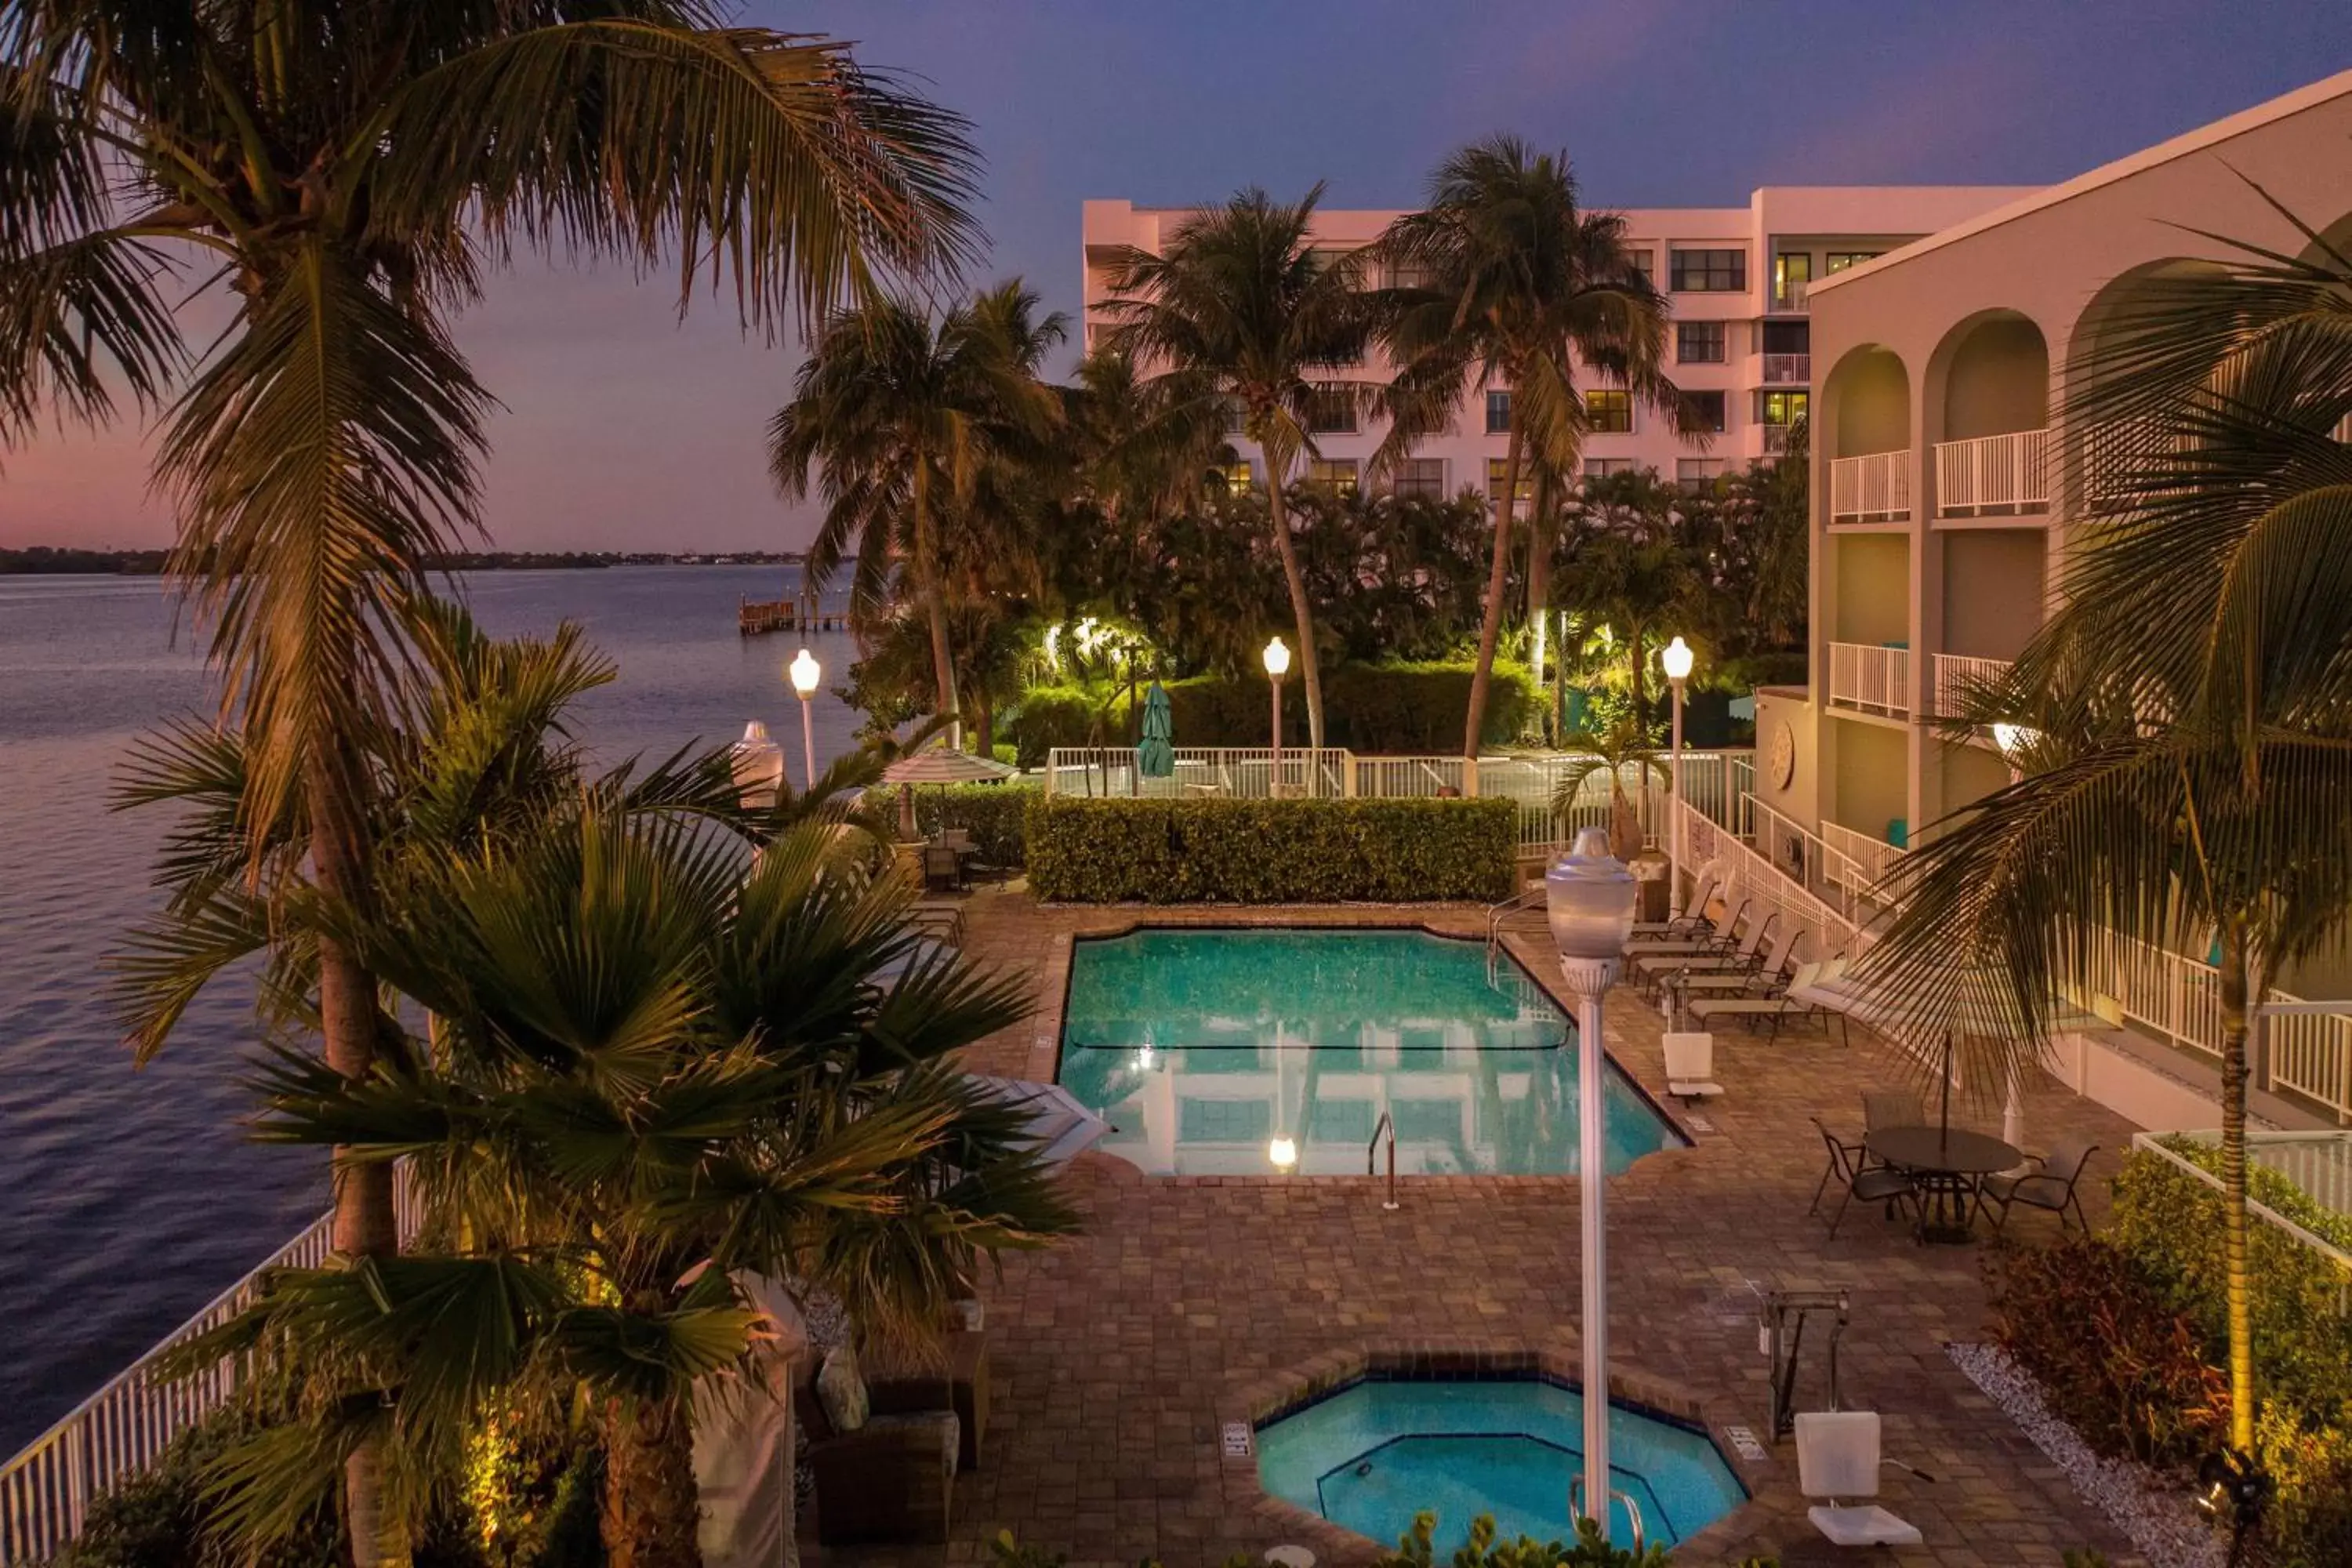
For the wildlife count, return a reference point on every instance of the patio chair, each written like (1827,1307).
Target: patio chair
(1893,1108)
(880,1478)
(942,922)
(942,866)
(1838,1462)
(1871,1184)
(1690,1064)
(2050,1182)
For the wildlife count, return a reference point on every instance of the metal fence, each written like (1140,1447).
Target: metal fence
(2277,1151)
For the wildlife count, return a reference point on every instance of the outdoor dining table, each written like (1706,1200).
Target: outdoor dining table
(1945,1162)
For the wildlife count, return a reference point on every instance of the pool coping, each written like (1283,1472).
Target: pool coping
(1044,1059)
(1294,1389)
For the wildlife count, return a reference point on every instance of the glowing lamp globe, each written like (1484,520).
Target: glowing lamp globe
(1676,656)
(1278,658)
(2010,738)
(1283,1152)
(805,673)
(1588,894)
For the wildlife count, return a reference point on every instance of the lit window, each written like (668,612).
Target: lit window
(1839,260)
(1332,411)
(1792,271)
(1707,271)
(1423,479)
(1694,472)
(1499,413)
(1700,342)
(1609,411)
(1236,476)
(1605,468)
(1780,407)
(1337,473)
(1495,466)
(1705,411)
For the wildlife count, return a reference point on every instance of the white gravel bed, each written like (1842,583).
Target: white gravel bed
(2161,1520)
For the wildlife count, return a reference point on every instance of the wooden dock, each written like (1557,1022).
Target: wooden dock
(786,615)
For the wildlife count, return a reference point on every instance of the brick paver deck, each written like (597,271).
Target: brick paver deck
(1193,1301)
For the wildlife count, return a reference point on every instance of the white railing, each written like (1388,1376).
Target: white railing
(1776,439)
(1858,862)
(1874,488)
(2153,1144)
(1240,771)
(1872,677)
(1408,777)
(1993,473)
(1955,677)
(119,1432)
(1754,876)
(1790,294)
(1781,368)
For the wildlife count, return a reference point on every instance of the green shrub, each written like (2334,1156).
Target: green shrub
(2114,1358)
(993,814)
(1271,851)
(1050,716)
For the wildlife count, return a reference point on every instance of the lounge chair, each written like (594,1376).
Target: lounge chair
(1652,970)
(2049,1182)
(1776,966)
(1766,1012)
(942,922)
(1721,932)
(1838,1462)
(1690,1064)
(1871,1184)
(1693,916)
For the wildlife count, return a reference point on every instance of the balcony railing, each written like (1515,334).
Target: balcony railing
(1776,439)
(1857,861)
(1872,677)
(1871,488)
(1790,296)
(1955,677)
(1993,474)
(1788,368)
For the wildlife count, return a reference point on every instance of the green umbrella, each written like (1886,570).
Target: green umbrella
(1155,755)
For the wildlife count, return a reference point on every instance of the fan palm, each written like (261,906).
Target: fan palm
(1630,565)
(895,418)
(346,172)
(1240,313)
(1520,285)
(1620,750)
(655,1074)
(2189,712)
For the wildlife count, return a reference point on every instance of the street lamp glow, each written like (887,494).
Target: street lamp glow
(1278,658)
(1283,1152)
(2012,738)
(1676,658)
(805,673)
(1589,895)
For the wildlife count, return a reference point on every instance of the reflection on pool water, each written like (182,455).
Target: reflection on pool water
(1210,1051)
(1376,1453)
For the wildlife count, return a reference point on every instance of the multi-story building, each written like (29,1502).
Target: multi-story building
(1738,279)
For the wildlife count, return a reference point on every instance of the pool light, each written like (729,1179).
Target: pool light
(1283,1152)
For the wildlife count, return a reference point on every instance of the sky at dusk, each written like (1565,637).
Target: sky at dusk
(625,429)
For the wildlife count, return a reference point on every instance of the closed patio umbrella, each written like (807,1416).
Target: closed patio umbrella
(1155,754)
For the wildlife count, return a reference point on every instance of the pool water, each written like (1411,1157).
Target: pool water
(1205,1049)
(1373,1456)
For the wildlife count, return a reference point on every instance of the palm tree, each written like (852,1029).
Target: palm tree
(345,173)
(654,1074)
(895,416)
(1242,314)
(1522,284)
(1621,749)
(1630,565)
(2189,751)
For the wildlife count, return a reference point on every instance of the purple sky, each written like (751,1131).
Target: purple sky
(624,429)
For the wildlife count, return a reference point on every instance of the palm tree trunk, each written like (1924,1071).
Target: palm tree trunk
(1499,576)
(1540,546)
(935,605)
(366,1223)
(2238,1283)
(1302,614)
(652,1506)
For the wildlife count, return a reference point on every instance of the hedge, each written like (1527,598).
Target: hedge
(993,814)
(1271,851)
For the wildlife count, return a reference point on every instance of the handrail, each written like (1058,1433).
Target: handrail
(1632,1510)
(1370,1155)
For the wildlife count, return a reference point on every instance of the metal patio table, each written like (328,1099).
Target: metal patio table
(1945,1162)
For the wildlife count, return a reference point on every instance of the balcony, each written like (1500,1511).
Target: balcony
(1871,488)
(1955,677)
(1857,862)
(1776,439)
(1788,297)
(1782,370)
(1871,677)
(1993,474)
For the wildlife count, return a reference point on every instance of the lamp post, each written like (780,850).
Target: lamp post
(1589,895)
(757,764)
(805,673)
(1277,665)
(1676,659)
(2012,739)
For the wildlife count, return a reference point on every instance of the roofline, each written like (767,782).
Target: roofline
(2202,139)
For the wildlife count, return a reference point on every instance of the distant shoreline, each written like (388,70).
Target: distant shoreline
(42,560)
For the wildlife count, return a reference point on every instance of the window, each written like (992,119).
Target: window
(1411,274)
(1693,473)
(1332,411)
(1339,473)
(1609,411)
(1839,260)
(1236,477)
(1704,411)
(1707,271)
(1499,414)
(1788,337)
(1235,416)
(1774,408)
(1422,478)
(1700,342)
(1495,466)
(1603,468)
(1792,271)
(1646,262)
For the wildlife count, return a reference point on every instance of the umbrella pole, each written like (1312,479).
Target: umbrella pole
(1944,1127)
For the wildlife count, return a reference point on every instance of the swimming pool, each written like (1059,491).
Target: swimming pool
(1371,1455)
(1210,1050)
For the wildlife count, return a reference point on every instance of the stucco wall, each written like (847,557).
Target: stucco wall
(1992,590)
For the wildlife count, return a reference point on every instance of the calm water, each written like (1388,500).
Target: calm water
(1371,1457)
(129,1198)
(1202,1047)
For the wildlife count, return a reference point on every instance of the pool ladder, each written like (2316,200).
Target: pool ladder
(1632,1510)
(1371,1156)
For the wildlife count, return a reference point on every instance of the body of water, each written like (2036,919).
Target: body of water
(128,1198)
